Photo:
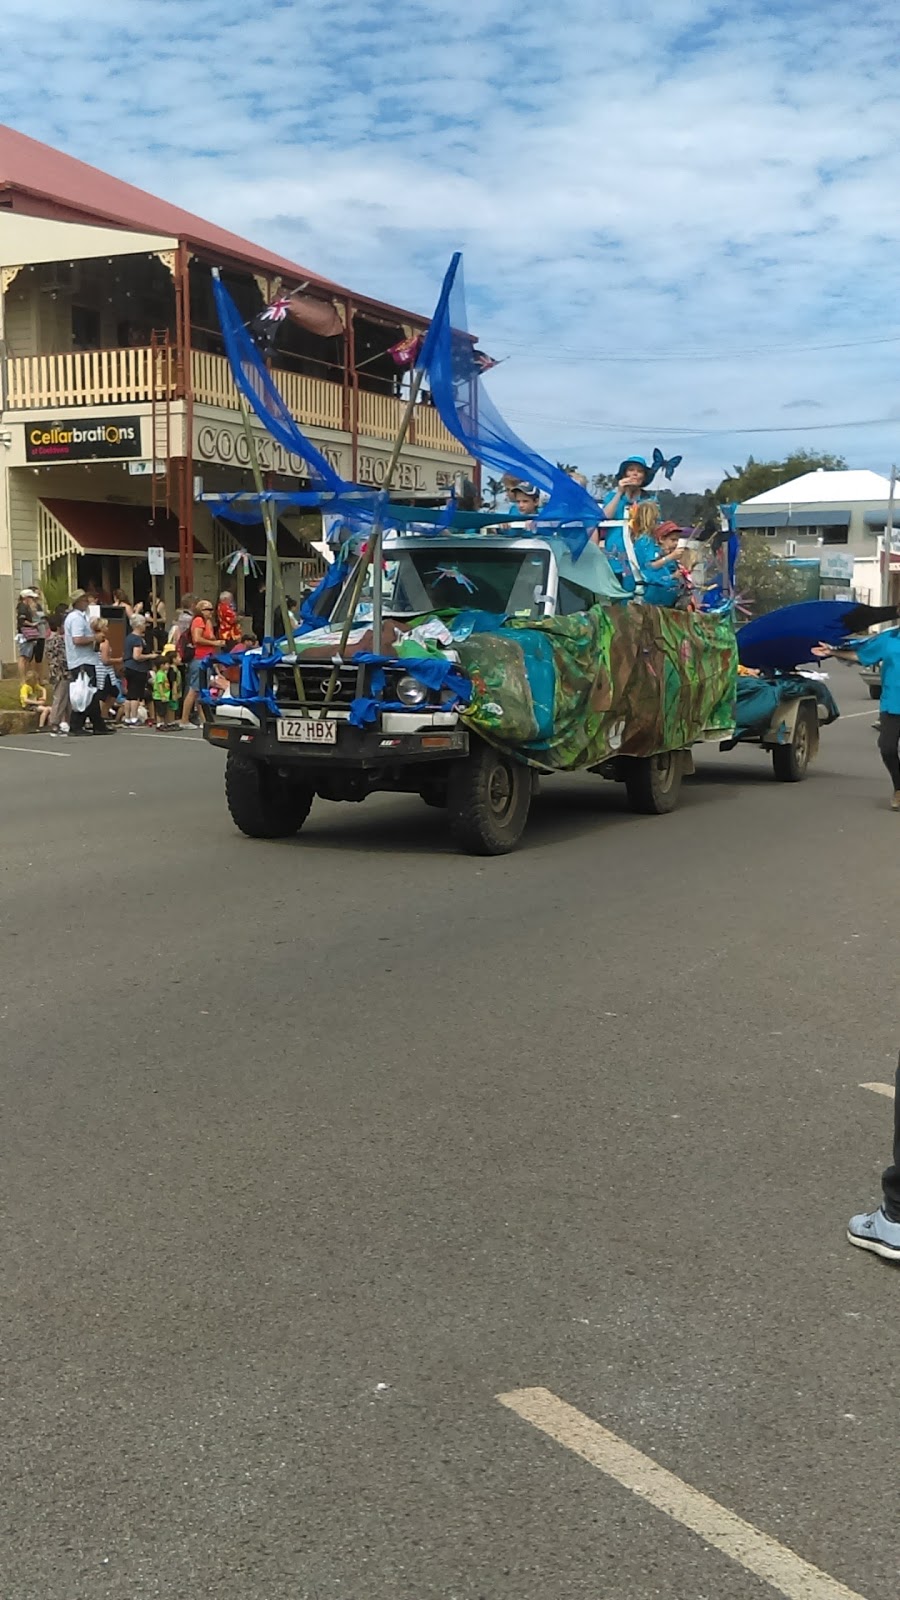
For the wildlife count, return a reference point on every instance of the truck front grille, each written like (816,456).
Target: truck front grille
(315,678)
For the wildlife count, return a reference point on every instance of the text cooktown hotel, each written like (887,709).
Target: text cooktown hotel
(116,402)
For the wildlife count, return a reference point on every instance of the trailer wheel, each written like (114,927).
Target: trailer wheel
(263,804)
(488,800)
(790,762)
(653,783)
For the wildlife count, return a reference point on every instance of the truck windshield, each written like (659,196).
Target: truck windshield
(436,578)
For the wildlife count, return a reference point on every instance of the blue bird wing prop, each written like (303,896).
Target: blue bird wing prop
(785,639)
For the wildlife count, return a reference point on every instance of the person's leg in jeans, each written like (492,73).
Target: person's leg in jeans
(193,690)
(59,705)
(888,741)
(879,1231)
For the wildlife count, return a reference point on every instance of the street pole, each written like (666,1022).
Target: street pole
(888,540)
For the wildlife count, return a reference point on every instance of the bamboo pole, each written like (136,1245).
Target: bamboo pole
(373,548)
(274,578)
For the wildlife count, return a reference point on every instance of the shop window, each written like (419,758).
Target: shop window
(85,328)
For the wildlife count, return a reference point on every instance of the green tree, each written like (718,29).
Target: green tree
(494,488)
(767,581)
(755,477)
(601,483)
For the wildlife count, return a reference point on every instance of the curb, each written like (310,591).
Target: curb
(18,722)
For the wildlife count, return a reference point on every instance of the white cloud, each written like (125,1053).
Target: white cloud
(689,177)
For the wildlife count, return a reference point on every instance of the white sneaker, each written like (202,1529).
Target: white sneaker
(874,1230)
(64,727)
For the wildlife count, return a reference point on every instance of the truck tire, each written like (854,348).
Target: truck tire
(653,783)
(488,800)
(262,804)
(874,691)
(790,762)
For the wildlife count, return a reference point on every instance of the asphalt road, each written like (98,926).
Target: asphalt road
(314,1148)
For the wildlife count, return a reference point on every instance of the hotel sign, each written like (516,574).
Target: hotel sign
(227,446)
(88,439)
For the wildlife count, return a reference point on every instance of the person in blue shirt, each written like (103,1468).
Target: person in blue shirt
(881,649)
(879,1230)
(620,505)
(666,585)
(631,480)
(649,566)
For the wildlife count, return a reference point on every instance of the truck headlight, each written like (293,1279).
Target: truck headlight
(410,691)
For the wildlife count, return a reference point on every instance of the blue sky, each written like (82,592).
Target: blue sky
(679,219)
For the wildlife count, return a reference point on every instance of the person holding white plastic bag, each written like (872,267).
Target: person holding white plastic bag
(81,661)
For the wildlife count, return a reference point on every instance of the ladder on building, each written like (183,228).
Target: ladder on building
(161,417)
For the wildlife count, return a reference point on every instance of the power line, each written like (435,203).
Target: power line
(702,433)
(643,358)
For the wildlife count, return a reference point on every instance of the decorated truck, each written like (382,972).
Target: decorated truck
(498,658)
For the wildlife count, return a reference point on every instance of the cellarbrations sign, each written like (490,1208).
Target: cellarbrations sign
(88,439)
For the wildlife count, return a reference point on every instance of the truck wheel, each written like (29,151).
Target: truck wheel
(262,804)
(653,783)
(791,761)
(488,799)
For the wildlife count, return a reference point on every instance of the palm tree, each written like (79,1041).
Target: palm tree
(494,487)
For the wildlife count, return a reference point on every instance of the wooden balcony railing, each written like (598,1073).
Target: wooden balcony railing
(308,399)
(121,377)
(88,378)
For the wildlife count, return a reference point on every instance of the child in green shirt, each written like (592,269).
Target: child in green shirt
(162,704)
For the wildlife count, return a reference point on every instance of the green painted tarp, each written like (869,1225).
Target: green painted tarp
(635,680)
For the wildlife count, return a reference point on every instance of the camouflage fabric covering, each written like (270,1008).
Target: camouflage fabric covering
(569,692)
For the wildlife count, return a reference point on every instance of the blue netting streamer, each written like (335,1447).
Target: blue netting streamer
(259,388)
(466,409)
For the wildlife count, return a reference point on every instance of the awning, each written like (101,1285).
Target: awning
(811,517)
(878,519)
(104,529)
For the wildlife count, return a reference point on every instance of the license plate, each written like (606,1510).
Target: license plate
(302,730)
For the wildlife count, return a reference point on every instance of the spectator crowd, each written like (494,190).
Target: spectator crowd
(70,674)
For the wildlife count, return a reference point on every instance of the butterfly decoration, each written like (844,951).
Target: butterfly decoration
(453,575)
(660,464)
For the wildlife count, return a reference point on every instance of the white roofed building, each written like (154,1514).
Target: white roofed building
(832,516)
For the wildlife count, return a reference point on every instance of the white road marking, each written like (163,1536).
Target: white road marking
(847,716)
(880,1088)
(25,750)
(756,1552)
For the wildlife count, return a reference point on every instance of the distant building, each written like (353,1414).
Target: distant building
(836,517)
(116,401)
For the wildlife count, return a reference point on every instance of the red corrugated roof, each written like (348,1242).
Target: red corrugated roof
(37,170)
(99,527)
